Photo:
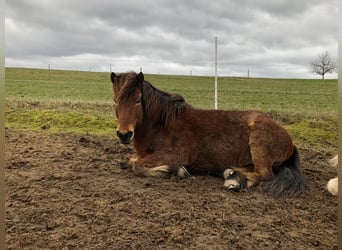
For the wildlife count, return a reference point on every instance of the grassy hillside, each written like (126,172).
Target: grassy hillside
(81,102)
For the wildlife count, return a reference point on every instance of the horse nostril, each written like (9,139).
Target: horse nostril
(129,135)
(124,136)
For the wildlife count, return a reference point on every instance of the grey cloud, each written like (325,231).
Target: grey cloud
(178,33)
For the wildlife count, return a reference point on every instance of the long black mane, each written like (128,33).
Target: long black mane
(160,106)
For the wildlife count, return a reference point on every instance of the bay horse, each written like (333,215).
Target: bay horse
(246,148)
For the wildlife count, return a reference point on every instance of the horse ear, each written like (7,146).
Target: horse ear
(113,77)
(140,77)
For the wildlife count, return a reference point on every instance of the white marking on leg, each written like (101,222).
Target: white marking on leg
(227,173)
(231,183)
(332,186)
(182,172)
(159,170)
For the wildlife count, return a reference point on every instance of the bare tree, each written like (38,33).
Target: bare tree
(323,64)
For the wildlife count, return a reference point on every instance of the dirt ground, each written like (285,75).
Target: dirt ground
(76,192)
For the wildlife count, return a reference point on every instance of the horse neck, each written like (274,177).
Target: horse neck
(145,132)
(141,129)
(157,115)
(144,135)
(160,107)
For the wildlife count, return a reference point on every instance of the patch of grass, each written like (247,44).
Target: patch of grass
(293,97)
(304,97)
(81,102)
(59,121)
(318,134)
(58,84)
(91,107)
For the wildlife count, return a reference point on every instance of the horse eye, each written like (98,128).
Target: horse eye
(138,102)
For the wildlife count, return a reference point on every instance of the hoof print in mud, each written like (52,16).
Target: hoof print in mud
(234,180)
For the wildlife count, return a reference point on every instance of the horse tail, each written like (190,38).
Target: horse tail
(288,181)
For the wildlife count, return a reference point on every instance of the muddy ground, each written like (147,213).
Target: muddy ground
(76,192)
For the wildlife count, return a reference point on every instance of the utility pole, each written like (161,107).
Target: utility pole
(216,72)
(49,71)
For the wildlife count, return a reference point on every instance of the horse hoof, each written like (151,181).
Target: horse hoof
(182,172)
(234,180)
(227,173)
(232,184)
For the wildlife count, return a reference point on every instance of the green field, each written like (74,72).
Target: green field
(81,102)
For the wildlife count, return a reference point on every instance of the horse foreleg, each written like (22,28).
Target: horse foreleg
(133,159)
(160,170)
(157,166)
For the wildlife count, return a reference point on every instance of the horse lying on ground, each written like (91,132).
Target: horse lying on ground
(332,185)
(247,148)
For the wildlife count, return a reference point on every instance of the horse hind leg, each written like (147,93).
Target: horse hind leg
(234,180)
(251,175)
(263,166)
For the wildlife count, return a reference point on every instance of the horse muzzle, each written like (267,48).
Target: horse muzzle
(125,138)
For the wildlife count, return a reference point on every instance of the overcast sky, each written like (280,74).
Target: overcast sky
(270,38)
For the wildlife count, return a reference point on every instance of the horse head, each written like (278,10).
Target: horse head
(127,88)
